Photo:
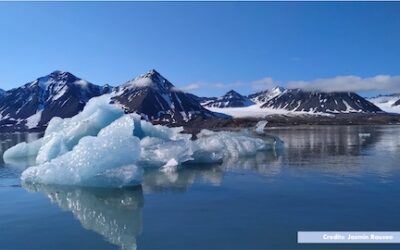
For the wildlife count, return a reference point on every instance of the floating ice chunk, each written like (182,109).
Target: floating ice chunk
(160,143)
(157,152)
(170,166)
(260,126)
(101,146)
(92,157)
(23,150)
(63,134)
(215,146)
(146,129)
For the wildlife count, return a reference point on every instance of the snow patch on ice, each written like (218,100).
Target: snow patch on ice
(170,166)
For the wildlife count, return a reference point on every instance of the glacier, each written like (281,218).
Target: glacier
(102,146)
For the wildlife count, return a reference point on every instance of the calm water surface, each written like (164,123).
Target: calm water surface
(325,178)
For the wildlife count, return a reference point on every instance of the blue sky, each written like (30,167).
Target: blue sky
(206,47)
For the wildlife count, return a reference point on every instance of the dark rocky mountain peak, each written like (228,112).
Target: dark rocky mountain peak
(157,99)
(33,105)
(151,79)
(266,95)
(229,99)
(321,102)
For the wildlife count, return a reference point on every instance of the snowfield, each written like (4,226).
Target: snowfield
(258,112)
(385,102)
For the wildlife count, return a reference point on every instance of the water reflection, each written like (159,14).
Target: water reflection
(116,214)
(266,163)
(323,141)
(340,150)
(179,181)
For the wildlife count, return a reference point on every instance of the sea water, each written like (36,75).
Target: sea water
(328,178)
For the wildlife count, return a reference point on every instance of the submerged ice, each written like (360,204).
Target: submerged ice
(103,146)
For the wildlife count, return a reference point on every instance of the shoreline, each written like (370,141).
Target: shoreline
(275,120)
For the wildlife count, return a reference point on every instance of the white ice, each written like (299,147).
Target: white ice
(260,126)
(102,146)
(63,134)
(92,158)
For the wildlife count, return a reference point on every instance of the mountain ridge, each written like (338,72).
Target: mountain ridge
(158,100)
(321,102)
(62,94)
(34,104)
(229,99)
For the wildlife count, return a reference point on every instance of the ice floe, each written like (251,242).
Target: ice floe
(102,146)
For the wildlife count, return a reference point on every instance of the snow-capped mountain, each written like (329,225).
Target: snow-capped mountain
(59,94)
(203,100)
(2,93)
(389,103)
(266,95)
(321,102)
(230,99)
(157,99)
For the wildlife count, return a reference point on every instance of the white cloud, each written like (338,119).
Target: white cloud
(384,83)
(379,83)
(191,87)
(263,84)
(201,85)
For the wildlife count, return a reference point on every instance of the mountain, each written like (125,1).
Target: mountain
(157,99)
(2,93)
(32,105)
(231,99)
(389,103)
(266,95)
(203,100)
(324,102)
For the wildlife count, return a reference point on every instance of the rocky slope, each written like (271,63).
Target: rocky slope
(266,95)
(231,99)
(32,105)
(321,102)
(156,99)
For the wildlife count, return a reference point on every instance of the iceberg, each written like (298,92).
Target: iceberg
(62,135)
(92,158)
(101,146)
